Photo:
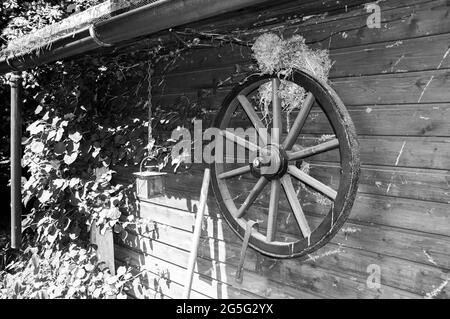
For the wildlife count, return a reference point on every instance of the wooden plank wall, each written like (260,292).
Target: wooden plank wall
(395,83)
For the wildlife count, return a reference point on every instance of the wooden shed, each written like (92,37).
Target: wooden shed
(394,80)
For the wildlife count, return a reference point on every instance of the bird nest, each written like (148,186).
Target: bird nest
(281,56)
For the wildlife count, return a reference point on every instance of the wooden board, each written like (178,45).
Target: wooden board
(227,270)
(212,272)
(228,252)
(398,88)
(404,243)
(105,246)
(422,216)
(201,284)
(386,57)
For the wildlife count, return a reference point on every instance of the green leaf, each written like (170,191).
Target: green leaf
(76,137)
(80,273)
(37,147)
(96,151)
(45,196)
(73,147)
(36,127)
(128,276)
(97,292)
(74,182)
(38,109)
(59,134)
(51,135)
(113,213)
(111,280)
(69,159)
(59,183)
(122,296)
(89,267)
(60,148)
(121,271)
(76,283)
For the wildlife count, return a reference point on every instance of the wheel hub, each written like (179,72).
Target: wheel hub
(271,162)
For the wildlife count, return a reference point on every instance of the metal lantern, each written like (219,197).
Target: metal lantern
(149,183)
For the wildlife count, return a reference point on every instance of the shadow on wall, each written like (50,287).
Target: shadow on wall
(162,246)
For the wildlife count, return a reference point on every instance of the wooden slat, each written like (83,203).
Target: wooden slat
(392,120)
(411,87)
(427,152)
(418,278)
(281,18)
(380,120)
(202,285)
(422,184)
(394,56)
(225,256)
(215,229)
(401,151)
(155,286)
(428,187)
(399,23)
(423,216)
(391,152)
(210,267)
(406,244)
(404,56)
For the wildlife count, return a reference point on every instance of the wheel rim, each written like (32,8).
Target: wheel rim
(280,154)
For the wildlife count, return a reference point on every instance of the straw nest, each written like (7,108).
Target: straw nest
(281,56)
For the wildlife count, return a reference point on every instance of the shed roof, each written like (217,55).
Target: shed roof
(111,23)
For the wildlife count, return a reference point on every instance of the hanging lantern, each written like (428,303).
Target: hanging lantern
(149,182)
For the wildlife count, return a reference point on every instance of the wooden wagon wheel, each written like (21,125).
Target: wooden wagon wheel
(283,154)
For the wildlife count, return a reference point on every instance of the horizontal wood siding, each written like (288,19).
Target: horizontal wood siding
(395,82)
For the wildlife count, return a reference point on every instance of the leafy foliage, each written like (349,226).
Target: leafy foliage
(71,273)
(84,117)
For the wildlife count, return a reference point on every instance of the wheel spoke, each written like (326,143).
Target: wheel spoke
(299,122)
(240,141)
(295,205)
(235,172)
(276,108)
(273,209)
(312,182)
(254,193)
(313,150)
(254,118)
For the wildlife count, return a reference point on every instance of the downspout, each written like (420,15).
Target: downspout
(16,167)
(142,21)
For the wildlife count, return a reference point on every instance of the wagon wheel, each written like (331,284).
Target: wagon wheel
(276,167)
